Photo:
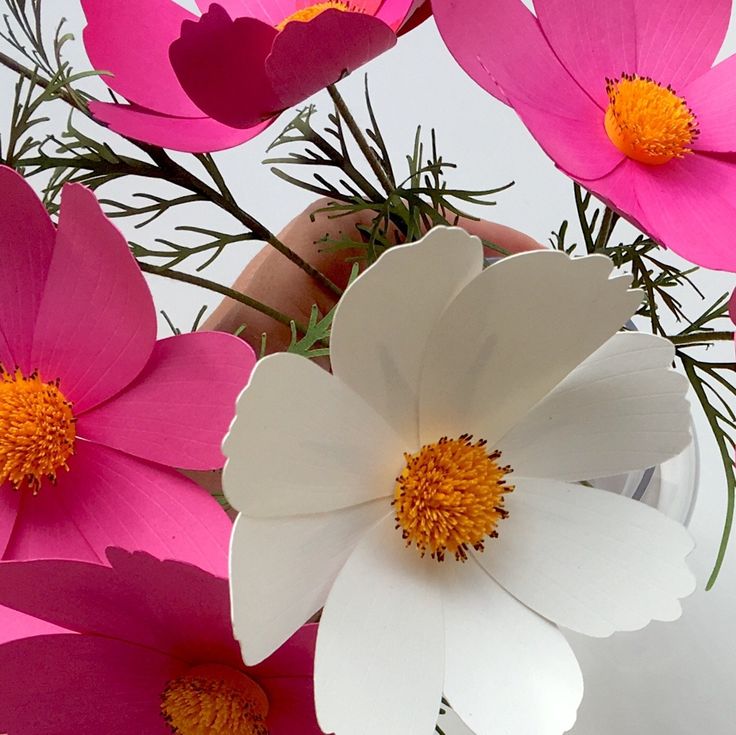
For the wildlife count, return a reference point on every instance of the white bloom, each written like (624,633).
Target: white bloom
(525,356)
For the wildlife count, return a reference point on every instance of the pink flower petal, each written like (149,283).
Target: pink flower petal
(306,57)
(293,658)
(690,206)
(732,306)
(271,12)
(220,64)
(72,684)
(291,706)
(487,61)
(712,97)
(15,625)
(394,12)
(579,146)
(96,325)
(177,411)
(671,41)
(9,503)
(110,499)
(167,606)
(421,10)
(188,134)
(131,39)
(26,244)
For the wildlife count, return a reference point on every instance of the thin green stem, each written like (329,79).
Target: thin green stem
(581,204)
(360,139)
(231,293)
(701,338)
(610,218)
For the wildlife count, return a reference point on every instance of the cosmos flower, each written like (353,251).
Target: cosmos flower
(425,492)
(213,82)
(624,98)
(94,412)
(153,653)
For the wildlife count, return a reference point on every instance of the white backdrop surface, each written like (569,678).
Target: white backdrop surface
(671,679)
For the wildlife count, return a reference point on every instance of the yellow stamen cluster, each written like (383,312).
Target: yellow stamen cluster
(37,430)
(312,11)
(214,700)
(449,497)
(648,122)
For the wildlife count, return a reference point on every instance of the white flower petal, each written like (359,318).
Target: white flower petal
(303,442)
(379,664)
(589,560)
(512,335)
(382,324)
(281,570)
(622,409)
(507,669)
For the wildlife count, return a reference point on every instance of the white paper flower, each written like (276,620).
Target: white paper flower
(359,491)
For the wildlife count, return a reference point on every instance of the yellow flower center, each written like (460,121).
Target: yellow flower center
(37,430)
(214,700)
(648,122)
(449,497)
(306,14)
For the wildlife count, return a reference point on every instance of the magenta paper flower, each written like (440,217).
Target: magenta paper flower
(154,654)
(624,98)
(91,405)
(209,83)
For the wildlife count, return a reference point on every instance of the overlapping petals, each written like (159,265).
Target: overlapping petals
(140,624)
(208,83)
(553,69)
(427,345)
(77,313)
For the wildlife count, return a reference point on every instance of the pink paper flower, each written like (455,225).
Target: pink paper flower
(154,654)
(209,83)
(91,405)
(624,98)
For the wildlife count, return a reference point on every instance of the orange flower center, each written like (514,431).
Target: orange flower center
(37,430)
(449,497)
(312,11)
(648,122)
(214,700)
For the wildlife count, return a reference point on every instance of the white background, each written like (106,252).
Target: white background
(672,679)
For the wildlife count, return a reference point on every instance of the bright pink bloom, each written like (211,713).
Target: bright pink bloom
(209,83)
(91,405)
(152,636)
(647,65)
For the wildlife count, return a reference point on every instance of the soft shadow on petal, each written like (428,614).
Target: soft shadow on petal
(220,64)
(379,665)
(303,442)
(281,570)
(131,39)
(507,668)
(622,409)
(26,246)
(177,411)
(589,560)
(72,684)
(187,134)
(512,335)
(291,705)
(110,499)
(307,57)
(381,326)
(96,324)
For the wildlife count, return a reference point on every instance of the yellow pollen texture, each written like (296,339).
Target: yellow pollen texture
(37,430)
(648,122)
(449,497)
(214,700)
(312,11)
